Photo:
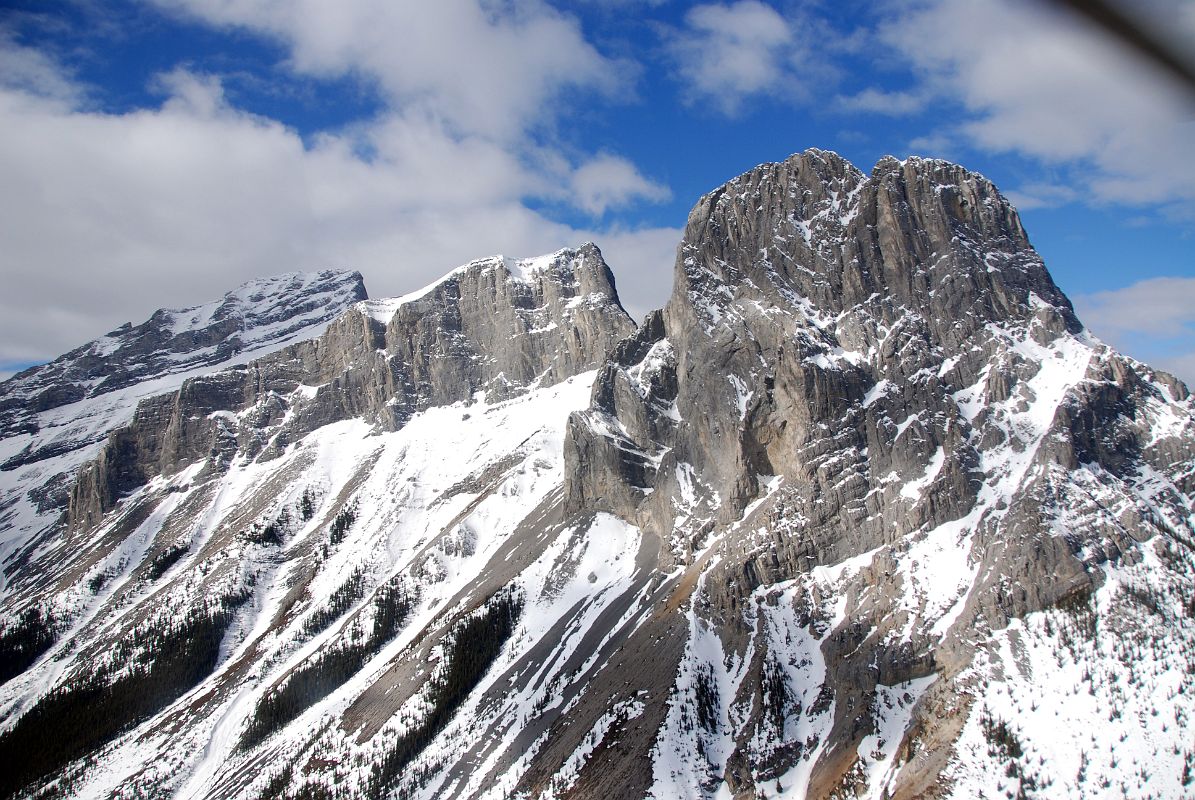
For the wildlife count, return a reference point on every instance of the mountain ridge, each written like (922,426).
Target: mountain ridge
(54,417)
(192,331)
(862,511)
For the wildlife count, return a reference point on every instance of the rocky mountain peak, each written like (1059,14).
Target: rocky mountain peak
(528,294)
(862,512)
(919,234)
(819,295)
(874,370)
(491,328)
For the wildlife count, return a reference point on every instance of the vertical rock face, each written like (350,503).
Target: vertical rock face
(862,512)
(800,288)
(876,371)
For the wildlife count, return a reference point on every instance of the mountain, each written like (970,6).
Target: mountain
(863,511)
(54,417)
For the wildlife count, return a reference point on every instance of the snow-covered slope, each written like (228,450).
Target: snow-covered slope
(423,512)
(268,549)
(863,512)
(53,418)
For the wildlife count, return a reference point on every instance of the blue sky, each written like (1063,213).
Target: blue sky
(158,153)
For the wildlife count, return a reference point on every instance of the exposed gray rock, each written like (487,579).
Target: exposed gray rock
(863,363)
(862,512)
(496,326)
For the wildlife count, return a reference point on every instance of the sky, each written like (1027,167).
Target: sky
(158,153)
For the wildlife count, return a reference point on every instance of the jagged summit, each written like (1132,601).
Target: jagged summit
(868,387)
(566,274)
(862,512)
(922,234)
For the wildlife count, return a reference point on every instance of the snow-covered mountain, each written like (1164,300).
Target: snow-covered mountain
(54,417)
(863,511)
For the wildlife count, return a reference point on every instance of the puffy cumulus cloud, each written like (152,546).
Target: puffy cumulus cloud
(607,181)
(1043,84)
(724,54)
(1153,320)
(105,217)
(485,66)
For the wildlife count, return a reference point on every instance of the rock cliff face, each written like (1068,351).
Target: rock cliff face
(496,326)
(803,290)
(863,511)
(877,371)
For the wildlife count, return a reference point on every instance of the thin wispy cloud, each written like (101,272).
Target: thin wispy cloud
(1157,306)
(878,101)
(1042,195)
(1153,320)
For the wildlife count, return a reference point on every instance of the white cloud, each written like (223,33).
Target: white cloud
(1042,195)
(1182,366)
(643,263)
(607,181)
(191,93)
(484,67)
(1041,84)
(26,69)
(1153,320)
(727,53)
(878,101)
(105,217)
(1156,306)
(935,145)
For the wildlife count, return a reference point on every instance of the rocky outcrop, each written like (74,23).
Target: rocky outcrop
(851,367)
(496,326)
